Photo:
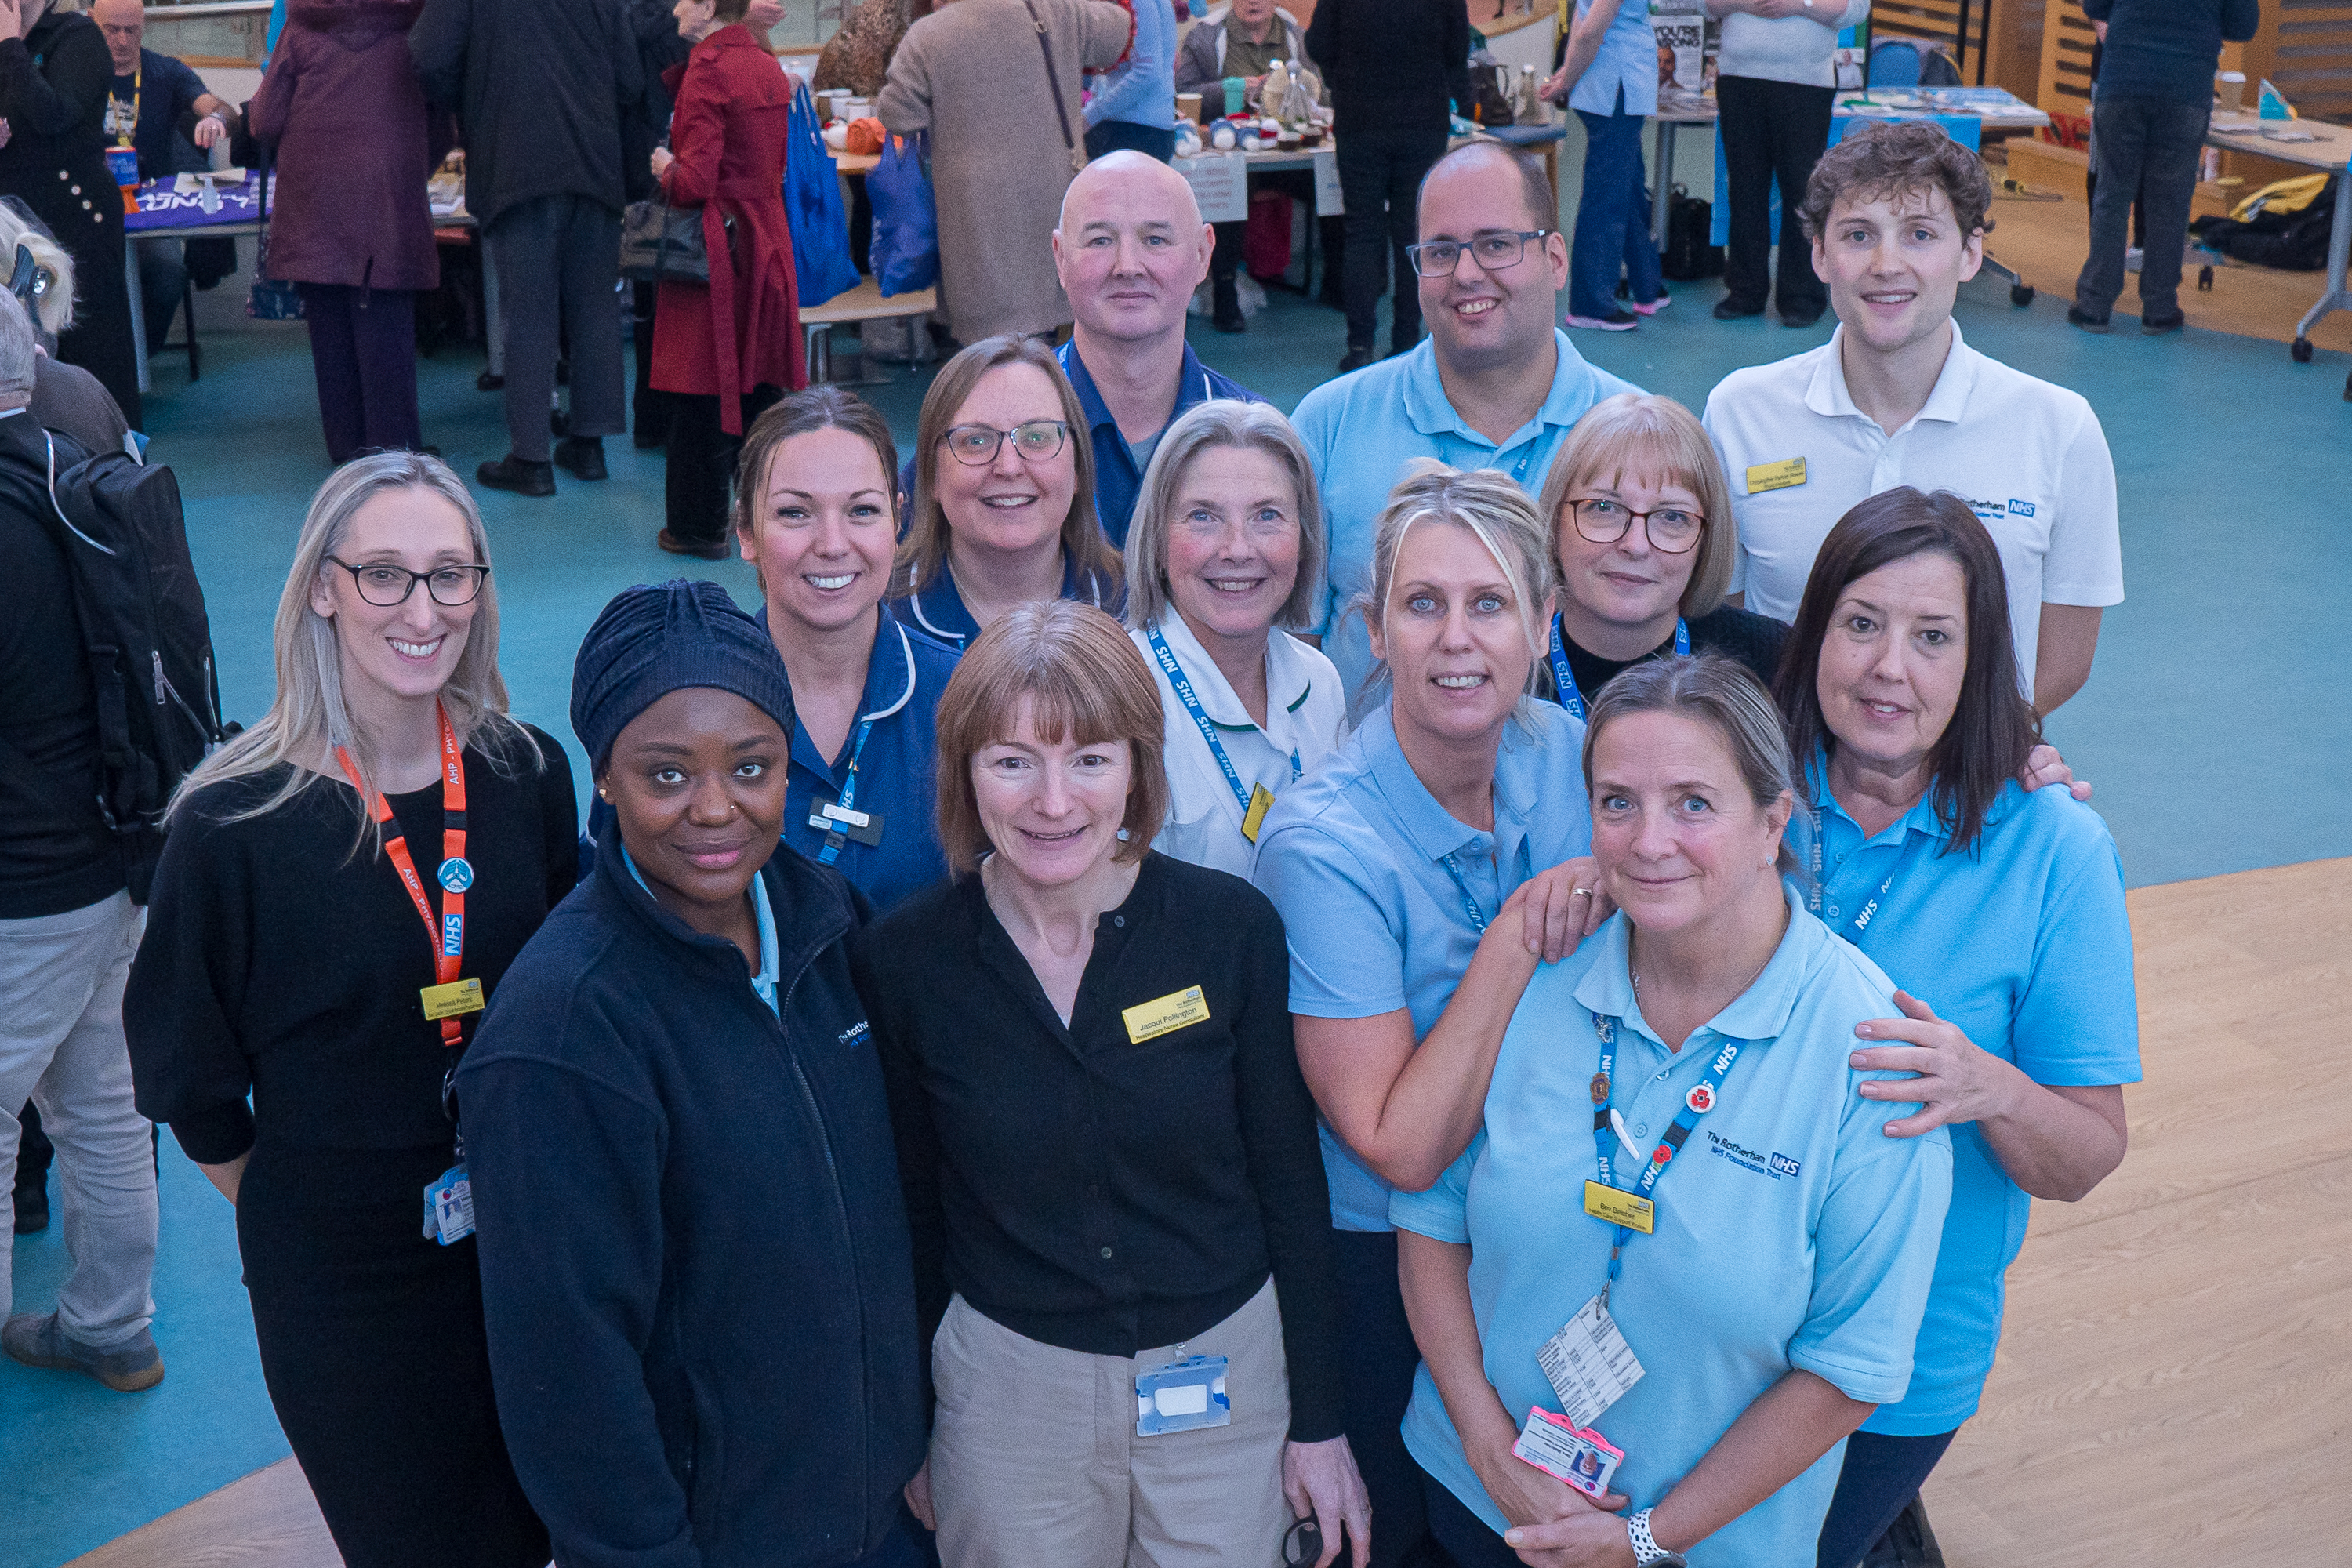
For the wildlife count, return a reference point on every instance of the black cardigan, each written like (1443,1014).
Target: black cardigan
(694,1257)
(1087,1191)
(278,962)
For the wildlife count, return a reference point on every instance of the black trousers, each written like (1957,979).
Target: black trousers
(1379,181)
(377,1362)
(2149,146)
(364,356)
(1381,1360)
(1771,129)
(559,260)
(702,462)
(1880,1475)
(648,409)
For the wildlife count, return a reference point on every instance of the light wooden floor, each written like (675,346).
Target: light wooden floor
(2047,242)
(2174,1382)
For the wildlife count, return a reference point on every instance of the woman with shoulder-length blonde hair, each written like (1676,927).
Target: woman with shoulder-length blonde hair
(1644,536)
(1421,872)
(1122,1263)
(1225,549)
(1003,509)
(385,789)
(65,398)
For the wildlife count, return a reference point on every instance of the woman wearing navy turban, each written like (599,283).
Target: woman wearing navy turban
(694,1254)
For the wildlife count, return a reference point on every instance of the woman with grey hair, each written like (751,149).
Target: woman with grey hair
(1224,552)
(65,398)
(1741,1253)
(1421,872)
(385,788)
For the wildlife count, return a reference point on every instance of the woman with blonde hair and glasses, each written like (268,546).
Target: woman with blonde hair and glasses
(1004,488)
(1122,1268)
(1643,532)
(1224,551)
(343,886)
(1420,873)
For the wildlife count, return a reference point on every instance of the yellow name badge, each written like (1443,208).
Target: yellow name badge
(1603,1202)
(1177,1010)
(448,1001)
(1261,802)
(1781,476)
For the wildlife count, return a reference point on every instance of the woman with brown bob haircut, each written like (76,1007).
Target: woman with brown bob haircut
(1642,533)
(1108,1152)
(1003,509)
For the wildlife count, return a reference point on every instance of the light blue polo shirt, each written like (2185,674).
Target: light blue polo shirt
(2025,943)
(1792,1234)
(1354,857)
(763,916)
(1628,59)
(1361,429)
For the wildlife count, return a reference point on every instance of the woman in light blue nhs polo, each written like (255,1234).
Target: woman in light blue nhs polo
(1420,872)
(1999,909)
(1677,1163)
(1225,549)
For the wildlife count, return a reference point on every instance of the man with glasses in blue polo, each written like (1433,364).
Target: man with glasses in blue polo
(1496,385)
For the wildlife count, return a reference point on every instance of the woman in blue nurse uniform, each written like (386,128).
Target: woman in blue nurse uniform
(816,514)
(1225,549)
(1998,911)
(1738,1215)
(1420,873)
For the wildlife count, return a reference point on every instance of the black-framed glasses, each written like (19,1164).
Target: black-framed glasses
(1672,529)
(1494,249)
(977,444)
(384,584)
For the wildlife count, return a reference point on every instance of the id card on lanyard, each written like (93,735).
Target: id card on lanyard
(1563,679)
(448,1200)
(1254,801)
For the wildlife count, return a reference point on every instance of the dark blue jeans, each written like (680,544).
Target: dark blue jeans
(1381,1360)
(1612,217)
(1125,135)
(2148,145)
(1881,1474)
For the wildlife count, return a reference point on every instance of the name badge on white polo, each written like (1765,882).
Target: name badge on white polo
(1183,1396)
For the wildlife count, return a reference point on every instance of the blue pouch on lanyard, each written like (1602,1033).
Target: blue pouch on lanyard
(1182,1397)
(821,263)
(906,217)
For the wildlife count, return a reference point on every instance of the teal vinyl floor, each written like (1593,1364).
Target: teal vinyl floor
(2215,725)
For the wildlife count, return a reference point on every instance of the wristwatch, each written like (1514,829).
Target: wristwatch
(1646,1550)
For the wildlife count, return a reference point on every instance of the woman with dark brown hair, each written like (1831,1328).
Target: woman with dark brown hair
(728,348)
(1003,509)
(1998,906)
(1108,1151)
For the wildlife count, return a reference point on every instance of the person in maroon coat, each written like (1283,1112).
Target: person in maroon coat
(731,349)
(348,224)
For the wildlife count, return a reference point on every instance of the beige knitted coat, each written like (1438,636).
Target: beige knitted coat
(971,74)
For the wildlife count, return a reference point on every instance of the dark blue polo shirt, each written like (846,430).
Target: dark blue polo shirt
(1117,478)
(939,609)
(165,89)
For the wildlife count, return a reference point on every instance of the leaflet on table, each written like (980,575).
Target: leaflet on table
(1680,27)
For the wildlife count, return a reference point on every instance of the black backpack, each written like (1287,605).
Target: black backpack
(2294,242)
(142,616)
(1689,252)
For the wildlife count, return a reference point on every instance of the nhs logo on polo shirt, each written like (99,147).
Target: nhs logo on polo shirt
(1771,1166)
(1991,511)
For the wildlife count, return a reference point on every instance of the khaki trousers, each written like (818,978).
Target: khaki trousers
(1036,1463)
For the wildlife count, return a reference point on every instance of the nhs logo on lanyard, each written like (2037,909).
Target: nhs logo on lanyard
(453,934)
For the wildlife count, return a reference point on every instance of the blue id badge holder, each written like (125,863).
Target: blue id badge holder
(449,1206)
(1183,1396)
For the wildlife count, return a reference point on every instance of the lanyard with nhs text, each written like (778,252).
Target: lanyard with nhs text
(838,815)
(1254,801)
(1859,921)
(1636,1209)
(1564,679)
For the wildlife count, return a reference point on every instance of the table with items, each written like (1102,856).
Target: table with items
(2314,144)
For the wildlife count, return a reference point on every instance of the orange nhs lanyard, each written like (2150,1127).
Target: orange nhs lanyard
(449,997)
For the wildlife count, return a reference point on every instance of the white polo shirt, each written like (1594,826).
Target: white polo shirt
(2026,455)
(1304,709)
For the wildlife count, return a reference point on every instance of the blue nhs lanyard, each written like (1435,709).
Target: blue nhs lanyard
(1184,694)
(1564,680)
(835,838)
(1702,1099)
(1469,904)
(1859,921)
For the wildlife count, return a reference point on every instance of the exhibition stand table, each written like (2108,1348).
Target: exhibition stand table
(2314,144)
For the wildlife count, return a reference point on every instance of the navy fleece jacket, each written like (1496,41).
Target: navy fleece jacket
(2168,49)
(695,1263)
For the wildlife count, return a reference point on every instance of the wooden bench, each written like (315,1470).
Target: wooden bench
(864,303)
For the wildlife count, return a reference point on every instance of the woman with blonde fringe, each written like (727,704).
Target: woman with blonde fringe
(343,886)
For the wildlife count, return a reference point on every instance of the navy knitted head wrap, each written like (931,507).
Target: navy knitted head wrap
(650,642)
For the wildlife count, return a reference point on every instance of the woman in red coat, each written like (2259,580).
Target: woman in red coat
(729,349)
(348,224)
